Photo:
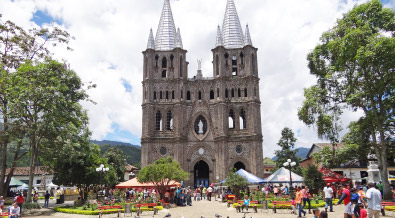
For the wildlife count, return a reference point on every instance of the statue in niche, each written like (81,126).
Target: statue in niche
(200,125)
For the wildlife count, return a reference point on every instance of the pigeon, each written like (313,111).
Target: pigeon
(168,215)
(217,215)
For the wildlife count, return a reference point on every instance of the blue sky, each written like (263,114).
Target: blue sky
(110,36)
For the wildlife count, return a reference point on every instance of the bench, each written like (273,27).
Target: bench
(4,214)
(119,207)
(253,204)
(275,203)
(384,204)
(165,205)
(139,206)
(230,199)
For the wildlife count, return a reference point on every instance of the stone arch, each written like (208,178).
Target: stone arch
(241,160)
(239,165)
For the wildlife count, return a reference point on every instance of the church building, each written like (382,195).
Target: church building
(208,124)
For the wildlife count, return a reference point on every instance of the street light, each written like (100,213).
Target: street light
(101,169)
(289,164)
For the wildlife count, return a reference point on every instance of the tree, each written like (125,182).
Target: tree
(47,97)
(75,161)
(312,177)
(268,160)
(236,182)
(116,158)
(354,65)
(287,143)
(161,173)
(16,47)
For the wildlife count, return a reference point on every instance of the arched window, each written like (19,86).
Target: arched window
(154,95)
(188,95)
(172,94)
(171,60)
(211,95)
(231,119)
(226,93)
(245,92)
(253,64)
(145,95)
(158,123)
(145,67)
(200,95)
(160,95)
(226,58)
(181,63)
(234,65)
(217,92)
(242,58)
(164,67)
(238,92)
(167,95)
(169,121)
(233,93)
(156,60)
(217,65)
(243,120)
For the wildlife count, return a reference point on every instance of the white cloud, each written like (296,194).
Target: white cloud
(110,36)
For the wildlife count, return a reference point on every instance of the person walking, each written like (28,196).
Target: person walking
(328,195)
(306,198)
(347,201)
(204,191)
(46,199)
(198,194)
(20,200)
(298,200)
(209,193)
(374,201)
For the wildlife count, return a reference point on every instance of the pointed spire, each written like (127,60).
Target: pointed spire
(219,41)
(166,34)
(178,39)
(151,42)
(247,38)
(232,34)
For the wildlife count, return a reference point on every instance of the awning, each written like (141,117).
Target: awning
(16,182)
(282,176)
(133,183)
(251,178)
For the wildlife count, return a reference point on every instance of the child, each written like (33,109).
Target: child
(323,214)
(293,206)
(362,211)
(316,213)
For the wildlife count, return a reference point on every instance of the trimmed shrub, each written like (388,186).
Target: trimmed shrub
(81,211)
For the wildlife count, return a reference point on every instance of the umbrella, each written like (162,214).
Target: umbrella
(52,185)
(15,182)
(22,187)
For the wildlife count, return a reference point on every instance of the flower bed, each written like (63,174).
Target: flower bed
(279,206)
(88,211)
(391,208)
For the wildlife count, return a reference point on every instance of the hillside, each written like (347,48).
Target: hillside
(302,152)
(132,152)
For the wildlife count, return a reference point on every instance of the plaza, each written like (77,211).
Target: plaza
(204,208)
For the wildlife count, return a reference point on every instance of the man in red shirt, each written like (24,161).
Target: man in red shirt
(20,200)
(347,201)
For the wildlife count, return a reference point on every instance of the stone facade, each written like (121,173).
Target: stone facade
(209,125)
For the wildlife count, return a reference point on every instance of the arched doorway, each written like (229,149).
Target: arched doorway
(201,174)
(239,165)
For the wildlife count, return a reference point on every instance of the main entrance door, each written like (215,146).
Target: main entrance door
(201,174)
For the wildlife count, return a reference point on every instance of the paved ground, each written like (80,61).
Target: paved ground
(207,209)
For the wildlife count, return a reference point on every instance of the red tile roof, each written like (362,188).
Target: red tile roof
(24,171)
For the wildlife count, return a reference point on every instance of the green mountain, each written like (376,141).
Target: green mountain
(132,152)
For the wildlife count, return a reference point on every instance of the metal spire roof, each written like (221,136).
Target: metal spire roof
(232,34)
(247,38)
(219,41)
(178,39)
(166,34)
(151,42)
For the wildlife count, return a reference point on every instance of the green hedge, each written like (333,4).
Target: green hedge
(279,206)
(43,198)
(70,210)
(392,208)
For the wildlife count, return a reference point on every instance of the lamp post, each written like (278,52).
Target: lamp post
(289,164)
(101,169)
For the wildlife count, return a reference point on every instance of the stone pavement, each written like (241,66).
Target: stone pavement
(207,209)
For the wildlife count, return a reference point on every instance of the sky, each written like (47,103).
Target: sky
(110,36)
